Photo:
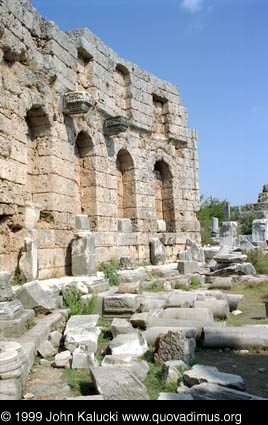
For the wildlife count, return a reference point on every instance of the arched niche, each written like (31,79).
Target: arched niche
(38,133)
(126,201)
(121,89)
(84,177)
(164,203)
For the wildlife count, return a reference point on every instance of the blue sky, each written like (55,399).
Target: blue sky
(216,52)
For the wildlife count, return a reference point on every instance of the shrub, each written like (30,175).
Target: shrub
(259,260)
(72,301)
(245,223)
(17,278)
(110,271)
(195,281)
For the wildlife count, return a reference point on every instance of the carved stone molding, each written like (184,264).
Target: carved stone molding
(77,102)
(115,125)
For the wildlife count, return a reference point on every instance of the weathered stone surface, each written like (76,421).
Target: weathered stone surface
(181,300)
(242,337)
(237,257)
(138,367)
(28,263)
(11,375)
(133,344)
(121,326)
(46,349)
(185,267)
(114,383)
(82,359)
(55,338)
(82,223)
(157,252)
(161,226)
(121,304)
(32,296)
(173,396)
(193,252)
(126,264)
(82,331)
(203,314)
(236,269)
(69,166)
(211,375)
(228,233)
(115,125)
(130,288)
(259,230)
(206,391)
(6,293)
(124,225)
(222,283)
(76,103)
(219,308)
(63,359)
(83,255)
(175,345)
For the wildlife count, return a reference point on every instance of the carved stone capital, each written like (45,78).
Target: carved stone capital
(77,102)
(115,125)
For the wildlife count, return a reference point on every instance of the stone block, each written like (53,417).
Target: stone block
(115,383)
(133,365)
(161,226)
(46,349)
(124,225)
(63,359)
(82,223)
(193,252)
(121,304)
(175,345)
(202,314)
(173,370)
(260,230)
(115,125)
(157,252)
(82,337)
(206,391)
(83,256)
(211,375)
(132,344)
(130,288)
(185,267)
(85,322)
(121,326)
(219,308)
(228,233)
(82,359)
(32,296)
(78,102)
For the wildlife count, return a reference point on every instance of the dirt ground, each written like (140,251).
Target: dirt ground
(47,383)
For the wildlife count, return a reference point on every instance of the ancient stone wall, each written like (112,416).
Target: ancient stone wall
(59,156)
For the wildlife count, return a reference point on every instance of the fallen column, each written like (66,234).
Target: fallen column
(243,337)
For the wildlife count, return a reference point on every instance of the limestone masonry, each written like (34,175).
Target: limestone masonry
(85,132)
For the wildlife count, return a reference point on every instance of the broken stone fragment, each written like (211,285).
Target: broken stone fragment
(175,345)
(63,359)
(132,364)
(130,288)
(157,252)
(6,293)
(133,344)
(28,263)
(32,296)
(115,383)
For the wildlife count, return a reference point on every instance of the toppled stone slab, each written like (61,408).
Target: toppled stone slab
(82,337)
(83,255)
(46,349)
(236,257)
(239,337)
(185,267)
(181,300)
(121,326)
(82,359)
(55,338)
(148,304)
(206,391)
(155,325)
(85,322)
(133,344)
(32,296)
(130,288)
(63,359)
(203,314)
(175,345)
(211,375)
(236,269)
(219,308)
(222,283)
(174,396)
(133,365)
(121,304)
(115,383)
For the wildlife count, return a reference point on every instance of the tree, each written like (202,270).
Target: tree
(211,207)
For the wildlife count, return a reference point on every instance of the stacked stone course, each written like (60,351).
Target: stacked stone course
(56,160)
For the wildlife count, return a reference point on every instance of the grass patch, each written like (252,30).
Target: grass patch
(79,381)
(156,286)
(252,304)
(72,299)
(110,271)
(154,381)
(259,260)
(17,278)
